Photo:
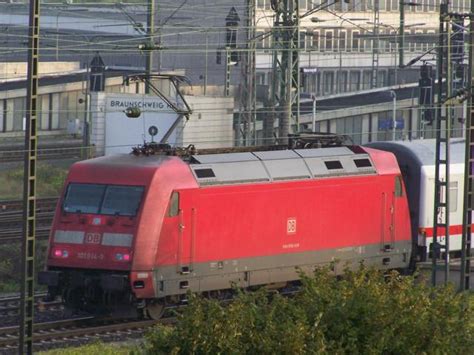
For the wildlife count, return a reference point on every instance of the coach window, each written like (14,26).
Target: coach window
(398,186)
(174,205)
(453,196)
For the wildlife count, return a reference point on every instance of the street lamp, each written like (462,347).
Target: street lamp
(394,114)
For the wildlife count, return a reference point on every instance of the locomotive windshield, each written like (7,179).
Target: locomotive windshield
(103,199)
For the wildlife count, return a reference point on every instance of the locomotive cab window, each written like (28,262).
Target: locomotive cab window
(173,209)
(398,186)
(122,200)
(103,199)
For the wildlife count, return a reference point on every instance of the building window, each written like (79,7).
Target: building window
(3,104)
(355,41)
(259,39)
(354,81)
(393,44)
(55,111)
(382,78)
(419,40)
(409,40)
(19,113)
(308,39)
(351,126)
(367,79)
(264,4)
(342,41)
(343,81)
(395,5)
(367,47)
(329,38)
(315,40)
(328,82)
(43,112)
(302,40)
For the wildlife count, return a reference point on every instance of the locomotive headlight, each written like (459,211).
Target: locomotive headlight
(122,257)
(60,253)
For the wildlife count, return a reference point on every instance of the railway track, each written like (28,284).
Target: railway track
(10,306)
(77,331)
(47,152)
(66,332)
(15,206)
(11,218)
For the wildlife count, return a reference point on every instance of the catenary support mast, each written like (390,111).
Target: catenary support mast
(442,159)
(286,64)
(468,206)
(29,187)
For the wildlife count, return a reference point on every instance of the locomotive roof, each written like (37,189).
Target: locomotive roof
(127,160)
(277,165)
(240,167)
(423,150)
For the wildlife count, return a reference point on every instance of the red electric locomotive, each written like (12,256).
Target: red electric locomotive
(138,232)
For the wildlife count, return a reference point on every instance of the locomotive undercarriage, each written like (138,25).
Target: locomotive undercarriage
(92,291)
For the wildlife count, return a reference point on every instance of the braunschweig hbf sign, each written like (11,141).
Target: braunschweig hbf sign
(121,103)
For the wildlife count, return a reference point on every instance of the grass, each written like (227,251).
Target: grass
(96,349)
(49,178)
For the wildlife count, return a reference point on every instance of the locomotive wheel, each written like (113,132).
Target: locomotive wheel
(155,310)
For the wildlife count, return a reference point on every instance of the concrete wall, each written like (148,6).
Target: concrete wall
(211,124)
(19,69)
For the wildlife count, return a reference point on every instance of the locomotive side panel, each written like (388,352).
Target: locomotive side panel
(259,233)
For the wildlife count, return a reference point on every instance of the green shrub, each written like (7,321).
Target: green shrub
(363,312)
(97,348)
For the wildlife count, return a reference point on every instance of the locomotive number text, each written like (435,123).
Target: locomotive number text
(90,256)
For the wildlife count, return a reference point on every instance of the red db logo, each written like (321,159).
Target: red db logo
(93,238)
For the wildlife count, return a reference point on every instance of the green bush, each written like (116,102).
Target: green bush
(97,348)
(363,312)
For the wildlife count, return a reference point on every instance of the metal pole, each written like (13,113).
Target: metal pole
(466,242)
(206,65)
(29,187)
(401,37)
(314,113)
(85,128)
(375,46)
(396,67)
(394,115)
(340,71)
(150,19)
(227,73)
